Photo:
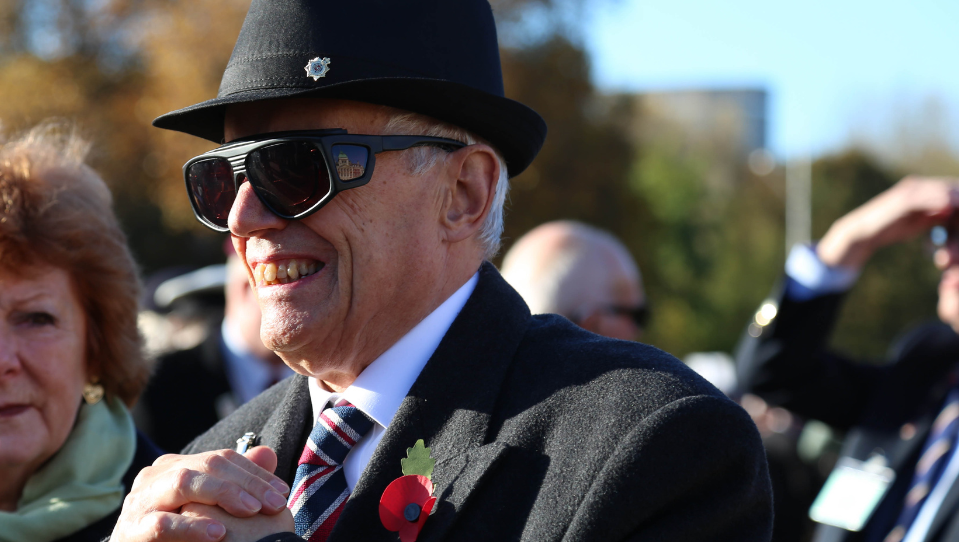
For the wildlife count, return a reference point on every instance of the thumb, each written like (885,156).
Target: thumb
(263,456)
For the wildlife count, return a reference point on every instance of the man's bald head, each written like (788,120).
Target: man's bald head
(580,272)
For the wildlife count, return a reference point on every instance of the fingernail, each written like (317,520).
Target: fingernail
(250,501)
(281,487)
(274,499)
(215,531)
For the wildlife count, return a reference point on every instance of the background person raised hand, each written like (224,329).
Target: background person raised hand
(908,208)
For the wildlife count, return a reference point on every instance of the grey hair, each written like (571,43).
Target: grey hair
(422,159)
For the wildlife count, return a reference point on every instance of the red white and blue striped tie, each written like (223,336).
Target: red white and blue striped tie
(319,490)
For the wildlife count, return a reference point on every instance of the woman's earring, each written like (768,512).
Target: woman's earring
(92,393)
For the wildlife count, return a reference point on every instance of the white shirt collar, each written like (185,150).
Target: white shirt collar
(382,386)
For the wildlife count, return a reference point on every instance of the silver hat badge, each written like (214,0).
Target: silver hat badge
(317,68)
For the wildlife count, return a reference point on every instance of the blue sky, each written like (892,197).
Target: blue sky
(835,70)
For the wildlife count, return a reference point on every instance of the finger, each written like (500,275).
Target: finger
(169,527)
(263,456)
(213,479)
(229,466)
(222,481)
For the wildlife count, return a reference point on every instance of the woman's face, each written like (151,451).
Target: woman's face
(42,365)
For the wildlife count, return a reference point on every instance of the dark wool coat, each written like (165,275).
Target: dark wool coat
(884,407)
(180,401)
(543,431)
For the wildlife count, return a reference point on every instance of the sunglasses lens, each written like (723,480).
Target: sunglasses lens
(290,177)
(351,161)
(641,316)
(211,188)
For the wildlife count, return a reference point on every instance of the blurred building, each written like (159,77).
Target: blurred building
(736,117)
(718,129)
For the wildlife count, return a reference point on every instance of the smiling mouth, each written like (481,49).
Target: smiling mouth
(285,271)
(9,411)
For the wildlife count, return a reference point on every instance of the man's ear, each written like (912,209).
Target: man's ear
(473,176)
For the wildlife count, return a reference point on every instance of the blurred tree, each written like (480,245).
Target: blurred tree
(709,254)
(581,170)
(112,67)
(713,256)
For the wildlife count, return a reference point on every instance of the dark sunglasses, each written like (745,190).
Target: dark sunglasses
(639,315)
(293,173)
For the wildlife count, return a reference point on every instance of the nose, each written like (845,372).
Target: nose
(9,358)
(249,215)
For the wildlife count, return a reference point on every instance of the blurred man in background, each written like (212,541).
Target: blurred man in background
(193,388)
(582,273)
(896,477)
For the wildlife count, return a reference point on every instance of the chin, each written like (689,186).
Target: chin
(20,448)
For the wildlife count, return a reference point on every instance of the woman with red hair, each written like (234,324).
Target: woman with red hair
(70,353)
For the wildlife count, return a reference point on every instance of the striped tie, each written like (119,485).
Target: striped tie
(932,461)
(319,490)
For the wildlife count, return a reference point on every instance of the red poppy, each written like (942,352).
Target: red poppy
(406,504)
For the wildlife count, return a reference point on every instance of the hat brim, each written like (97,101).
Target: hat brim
(515,130)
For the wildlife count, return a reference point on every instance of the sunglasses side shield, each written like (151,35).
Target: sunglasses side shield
(211,185)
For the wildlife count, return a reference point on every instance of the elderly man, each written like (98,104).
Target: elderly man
(897,477)
(363,184)
(579,272)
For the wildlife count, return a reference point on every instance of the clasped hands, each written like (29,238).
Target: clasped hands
(206,497)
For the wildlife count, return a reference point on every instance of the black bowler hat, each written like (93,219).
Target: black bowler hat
(435,57)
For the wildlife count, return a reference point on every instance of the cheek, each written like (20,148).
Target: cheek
(60,372)
(52,380)
(395,225)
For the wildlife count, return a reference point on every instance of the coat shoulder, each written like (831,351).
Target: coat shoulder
(615,429)
(623,372)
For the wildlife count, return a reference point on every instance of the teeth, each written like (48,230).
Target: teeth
(285,271)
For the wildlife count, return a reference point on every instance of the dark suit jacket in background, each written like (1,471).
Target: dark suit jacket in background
(887,408)
(543,431)
(180,401)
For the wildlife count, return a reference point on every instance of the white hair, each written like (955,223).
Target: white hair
(422,159)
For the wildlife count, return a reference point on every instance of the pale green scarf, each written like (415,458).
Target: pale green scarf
(81,483)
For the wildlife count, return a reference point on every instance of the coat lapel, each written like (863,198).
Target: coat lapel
(449,407)
(288,428)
